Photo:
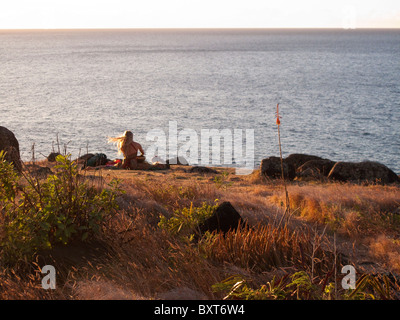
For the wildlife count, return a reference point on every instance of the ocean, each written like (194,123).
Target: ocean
(338,90)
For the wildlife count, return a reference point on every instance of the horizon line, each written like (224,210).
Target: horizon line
(199,28)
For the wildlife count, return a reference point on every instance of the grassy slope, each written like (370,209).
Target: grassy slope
(135,259)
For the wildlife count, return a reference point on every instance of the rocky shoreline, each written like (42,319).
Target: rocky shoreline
(303,167)
(306,167)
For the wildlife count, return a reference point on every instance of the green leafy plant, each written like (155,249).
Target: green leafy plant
(297,285)
(371,287)
(185,220)
(288,287)
(303,287)
(221,181)
(63,208)
(8,184)
(329,291)
(238,288)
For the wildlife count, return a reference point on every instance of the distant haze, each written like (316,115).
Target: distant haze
(70,14)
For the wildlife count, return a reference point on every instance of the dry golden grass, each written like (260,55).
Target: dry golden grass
(386,250)
(265,248)
(15,285)
(142,261)
(347,208)
(148,262)
(366,215)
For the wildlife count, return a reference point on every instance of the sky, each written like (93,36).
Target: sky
(70,14)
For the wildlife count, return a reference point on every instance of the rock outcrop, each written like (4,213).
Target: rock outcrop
(202,170)
(315,169)
(272,168)
(9,144)
(296,160)
(309,167)
(224,219)
(52,156)
(366,171)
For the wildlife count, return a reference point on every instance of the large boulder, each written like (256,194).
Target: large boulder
(272,168)
(9,143)
(52,156)
(296,160)
(366,171)
(315,169)
(202,170)
(224,218)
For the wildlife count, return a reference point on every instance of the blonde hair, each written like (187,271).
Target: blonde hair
(122,141)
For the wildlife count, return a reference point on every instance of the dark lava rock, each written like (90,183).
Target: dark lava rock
(296,160)
(224,219)
(315,169)
(52,156)
(366,171)
(271,168)
(9,144)
(202,170)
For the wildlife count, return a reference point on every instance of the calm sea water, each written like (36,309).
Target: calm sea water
(338,90)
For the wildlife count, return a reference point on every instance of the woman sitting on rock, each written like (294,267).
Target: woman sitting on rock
(129,149)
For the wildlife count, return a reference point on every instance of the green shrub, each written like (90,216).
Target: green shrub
(221,181)
(237,288)
(296,286)
(38,214)
(186,220)
(8,183)
(299,286)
